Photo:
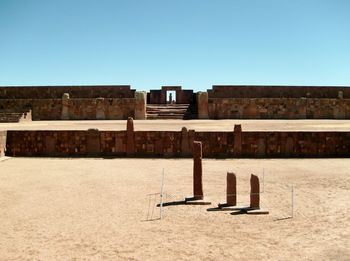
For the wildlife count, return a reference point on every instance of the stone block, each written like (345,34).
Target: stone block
(197,170)
(140,105)
(185,147)
(237,146)
(202,105)
(254,191)
(130,137)
(231,190)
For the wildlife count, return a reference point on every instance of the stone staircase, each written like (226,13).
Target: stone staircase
(170,111)
(6,116)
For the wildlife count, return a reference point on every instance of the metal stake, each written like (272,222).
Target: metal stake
(161,196)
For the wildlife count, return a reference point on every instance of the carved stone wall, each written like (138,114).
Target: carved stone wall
(56,92)
(179,144)
(278,108)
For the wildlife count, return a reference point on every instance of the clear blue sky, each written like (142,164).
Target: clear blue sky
(193,43)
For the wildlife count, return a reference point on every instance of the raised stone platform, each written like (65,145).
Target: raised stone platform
(174,125)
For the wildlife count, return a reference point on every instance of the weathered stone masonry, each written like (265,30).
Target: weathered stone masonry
(178,144)
(278,102)
(74,103)
(220,102)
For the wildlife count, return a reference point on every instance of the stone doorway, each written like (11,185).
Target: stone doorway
(171,97)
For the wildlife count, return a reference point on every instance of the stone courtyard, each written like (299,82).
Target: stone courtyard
(54,209)
(81,171)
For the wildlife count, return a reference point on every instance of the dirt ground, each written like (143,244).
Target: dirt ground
(99,209)
(199,125)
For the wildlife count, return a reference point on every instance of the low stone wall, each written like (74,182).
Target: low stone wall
(233,144)
(278,108)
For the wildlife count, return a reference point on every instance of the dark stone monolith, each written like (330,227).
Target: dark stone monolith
(197,170)
(185,148)
(65,107)
(237,146)
(130,137)
(254,192)
(93,143)
(231,197)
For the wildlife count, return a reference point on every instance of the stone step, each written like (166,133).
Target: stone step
(168,111)
(169,105)
(6,116)
(164,117)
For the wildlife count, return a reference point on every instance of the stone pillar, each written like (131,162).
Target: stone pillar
(262,148)
(65,106)
(140,105)
(231,191)
(197,170)
(100,109)
(93,143)
(340,95)
(130,137)
(237,146)
(185,147)
(2,143)
(202,105)
(254,192)
(191,138)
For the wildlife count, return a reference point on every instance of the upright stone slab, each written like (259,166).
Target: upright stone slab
(202,105)
(185,147)
(2,143)
(50,145)
(65,106)
(261,152)
(254,192)
(197,170)
(191,139)
(237,147)
(130,137)
(198,197)
(93,143)
(231,190)
(340,95)
(231,193)
(100,109)
(140,105)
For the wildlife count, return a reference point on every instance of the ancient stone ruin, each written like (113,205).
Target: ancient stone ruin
(198,195)
(197,170)
(118,102)
(231,191)
(254,192)
(130,138)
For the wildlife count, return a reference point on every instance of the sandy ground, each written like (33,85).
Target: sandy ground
(200,125)
(96,209)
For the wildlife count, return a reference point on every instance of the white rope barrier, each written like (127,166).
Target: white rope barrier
(280,202)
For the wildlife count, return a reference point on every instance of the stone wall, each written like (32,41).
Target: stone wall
(233,144)
(92,109)
(278,108)
(77,109)
(256,91)
(56,92)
